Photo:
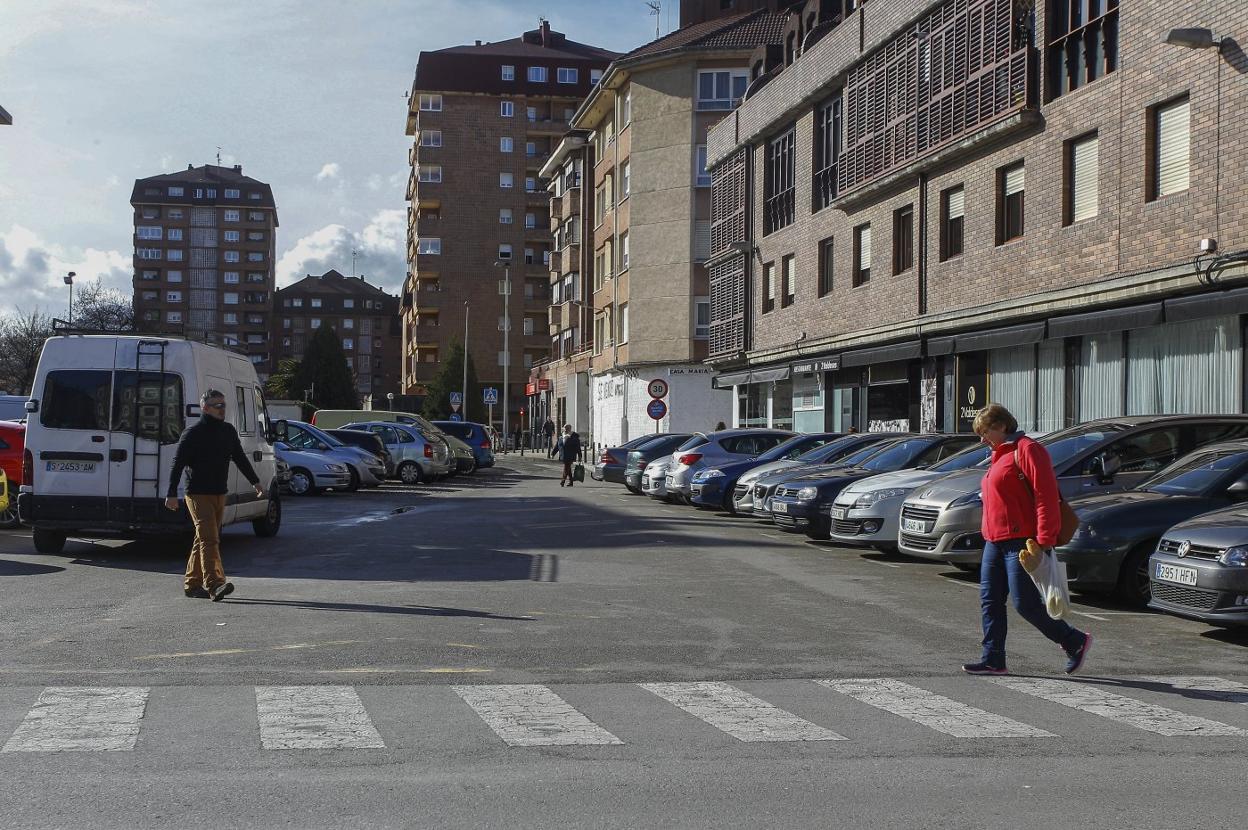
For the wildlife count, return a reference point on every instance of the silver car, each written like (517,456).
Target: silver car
(723,447)
(311,472)
(364,469)
(654,477)
(830,453)
(418,457)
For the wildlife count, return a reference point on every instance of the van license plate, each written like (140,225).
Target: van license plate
(1172,573)
(779,507)
(71,466)
(913,526)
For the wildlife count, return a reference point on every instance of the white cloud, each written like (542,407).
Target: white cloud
(381,244)
(31,270)
(329,171)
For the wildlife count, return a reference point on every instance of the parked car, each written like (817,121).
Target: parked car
(312,471)
(714,486)
(104,421)
(339,418)
(366,441)
(281,478)
(720,448)
(474,435)
(804,501)
(1200,569)
(610,465)
(941,521)
(12,444)
(654,477)
(656,447)
(755,488)
(418,456)
(462,454)
(13,408)
(5,500)
(1118,532)
(363,468)
(868,512)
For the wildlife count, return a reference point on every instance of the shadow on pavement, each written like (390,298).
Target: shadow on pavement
(8,567)
(417,610)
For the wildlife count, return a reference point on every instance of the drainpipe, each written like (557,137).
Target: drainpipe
(615,250)
(921,264)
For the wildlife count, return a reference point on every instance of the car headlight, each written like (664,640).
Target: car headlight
(337,468)
(705,474)
(1236,557)
(967,500)
(807,494)
(1086,531)
(868,499)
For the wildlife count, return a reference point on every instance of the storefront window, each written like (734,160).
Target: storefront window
(1100,377)
(1051,401)
(752,405)
(1012,382)
(807,404)
(888,398)
(1192,367)
(782,405)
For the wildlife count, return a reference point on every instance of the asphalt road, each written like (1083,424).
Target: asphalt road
(501,652)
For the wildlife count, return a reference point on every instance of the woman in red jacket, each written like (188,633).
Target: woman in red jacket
(1021,501)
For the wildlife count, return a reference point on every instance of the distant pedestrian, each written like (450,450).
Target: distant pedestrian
(1021,500)
(548,434)
(206,449)
(720,426)
(569,453)
(516,436)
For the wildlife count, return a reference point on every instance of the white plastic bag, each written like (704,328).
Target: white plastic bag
(1050,578)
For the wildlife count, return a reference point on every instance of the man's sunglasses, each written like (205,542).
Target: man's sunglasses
(215,405)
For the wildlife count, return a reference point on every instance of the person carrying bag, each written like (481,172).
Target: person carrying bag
(1021,503)
(569,454)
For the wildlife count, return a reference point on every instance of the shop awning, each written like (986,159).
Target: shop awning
(937,346)
(730,380)
(883,354)
(1202,306)
(1000,338)
(766,375)
(753,376)
(1109,320)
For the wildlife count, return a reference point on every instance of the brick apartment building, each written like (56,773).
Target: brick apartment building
(631,204)
(484,118)
(365,318)
(203,258)
(923,206)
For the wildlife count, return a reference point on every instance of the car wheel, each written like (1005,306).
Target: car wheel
(267,527)
(1133,584)
(630,488)
(409,472)
(49,541)
(302,483)
(473,468)
(730,504)
(355,480)
(8,517)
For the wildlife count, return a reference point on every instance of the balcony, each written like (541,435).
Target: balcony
(547,126)
(556,318)
(572,199)
(556,210)
(556,262)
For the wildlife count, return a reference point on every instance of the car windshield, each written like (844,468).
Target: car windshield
(832,450)
(856,459)
(322,434)
(896,456)
(1068,443)
(1196,473)
(693,443)
(969,457)
(793,448)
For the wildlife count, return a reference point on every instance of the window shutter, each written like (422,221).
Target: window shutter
(957,203)
(771,282)
(1173,147)
(864,248)
(1086,163)
(701,240)
(1014,180)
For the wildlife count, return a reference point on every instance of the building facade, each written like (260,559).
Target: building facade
(631,204)
(204,246)
(484,118)
(931,205)
(365,318)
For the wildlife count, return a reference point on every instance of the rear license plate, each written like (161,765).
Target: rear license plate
(913,526)
(71,466)
(779,507)
(696,489)
(668,481)
(645,481)
(1173,573)
(839,512)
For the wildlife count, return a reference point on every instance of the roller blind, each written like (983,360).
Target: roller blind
(1085,192)
(1173,147)
(864,246)
(1014,180)
(771,282)
(957,203)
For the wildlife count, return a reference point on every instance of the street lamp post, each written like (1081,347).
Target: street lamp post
(390,400)
(464,389)
(69,280)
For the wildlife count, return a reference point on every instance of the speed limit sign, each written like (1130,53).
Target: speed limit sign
(657,388)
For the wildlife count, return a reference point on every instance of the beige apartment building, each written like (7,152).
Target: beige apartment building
(203,258)
(484,118)
(630,203)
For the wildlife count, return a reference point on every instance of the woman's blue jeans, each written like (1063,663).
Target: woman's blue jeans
(1002,575)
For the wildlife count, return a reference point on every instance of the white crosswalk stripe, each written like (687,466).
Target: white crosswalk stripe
(1214,688)
(314,717)
(531,715)
(740,714)
(66,719)
(1130,711)
(932,710)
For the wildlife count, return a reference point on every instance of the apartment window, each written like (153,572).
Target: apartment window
(504,252)
(231,216)
(212,193)
(701,318)
(626,109)
(175,191)
(231,318)
(568,76)
(531,114)
(255,216)
(255,276)
(538,74)
(769,287)
(199,193)
(529,256)
(506,181)
(175,234)
(173,296)
(430,246)
(530,184)
(173,276)
(509,72)
(626,179)
(150,213)
(148,253)
(231,193)
(255,256)
(430,173)
(530,148)
(285,322)
(721,89)
(506,109)
(150,275)
(527,326)
(530,221)
(600,333)
(151,296)
(254,196)
(504,216)
(315,323)
(1010,192)
(789,277)
(230,278)
(778,187)
(1081,188)
(430,138)
(348,303)
(595,75)
(298,302)
(1169,148)
(1082,43)
(148,232)
(229,298)
(862,255)
(603,200)
(174,317)
(431,103)
(952,211)
(701,176)
(504,359)
(624,251)
(621,324)
(348,343)
(255,236)
(232,236)
(348,324)
(826,261)
(903,239)
(175,213)
(174,255)
(316,302)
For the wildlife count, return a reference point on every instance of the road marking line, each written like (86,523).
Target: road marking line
(314,717)
(220,651)
(532,715)
(1086,614)
(932,710)
(93,719)
(878,562)
(740,714)
(1215,688)
(1126,710)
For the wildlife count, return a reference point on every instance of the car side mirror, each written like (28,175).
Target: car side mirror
(32,405)
(1239,489)
(1104,467)
(279,431)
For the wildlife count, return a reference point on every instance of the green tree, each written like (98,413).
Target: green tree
(283,384)
(325,373)
(451,379)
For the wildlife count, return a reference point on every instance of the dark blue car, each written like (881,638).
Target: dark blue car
(713,487)
(474,435)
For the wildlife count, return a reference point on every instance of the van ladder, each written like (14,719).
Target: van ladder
(153,349)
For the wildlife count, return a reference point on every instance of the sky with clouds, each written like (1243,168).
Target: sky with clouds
(307,95)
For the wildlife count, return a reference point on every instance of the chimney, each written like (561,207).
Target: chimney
(478,43)
(238,168)
(190,167)
(545,29)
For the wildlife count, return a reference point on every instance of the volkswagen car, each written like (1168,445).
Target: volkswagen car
(1200,569)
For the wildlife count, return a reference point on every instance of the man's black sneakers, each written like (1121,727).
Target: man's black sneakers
(222,591)
(983,667)
(196,593)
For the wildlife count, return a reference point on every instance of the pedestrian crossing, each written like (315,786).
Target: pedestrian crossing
(850,711)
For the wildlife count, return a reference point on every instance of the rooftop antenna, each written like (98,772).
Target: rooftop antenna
(354,254)
(218,156)
(656,11)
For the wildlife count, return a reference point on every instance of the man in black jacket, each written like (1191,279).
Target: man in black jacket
(207,449)
(569,453)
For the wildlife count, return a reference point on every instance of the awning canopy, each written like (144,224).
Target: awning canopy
(730,380)
(752,376)
(1182,309)
(1109,320)
(1000,338)
(883,354)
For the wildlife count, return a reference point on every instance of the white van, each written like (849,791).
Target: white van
(103,423)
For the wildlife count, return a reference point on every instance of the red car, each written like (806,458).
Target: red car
(12,442)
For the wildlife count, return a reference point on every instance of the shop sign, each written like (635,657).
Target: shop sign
(690,370)
(972,387)
(543,385)
(830,364)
